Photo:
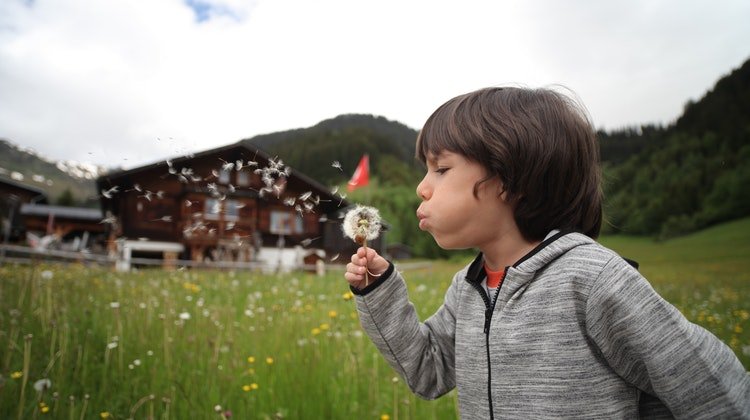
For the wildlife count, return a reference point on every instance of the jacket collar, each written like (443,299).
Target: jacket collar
(544,253)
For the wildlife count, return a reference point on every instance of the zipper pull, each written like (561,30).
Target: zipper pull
(487,318)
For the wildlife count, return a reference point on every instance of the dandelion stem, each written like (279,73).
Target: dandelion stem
(83,409)
(139,403)
(367,276)
(25,380)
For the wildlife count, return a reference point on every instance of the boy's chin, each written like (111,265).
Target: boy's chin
(449,246)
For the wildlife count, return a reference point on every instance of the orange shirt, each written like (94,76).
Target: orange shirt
(494,278)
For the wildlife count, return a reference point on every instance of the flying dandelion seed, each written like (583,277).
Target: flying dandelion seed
(108,193)
(110,220)
(334,258)
(336,164)
(163,219)
(305,196)
(307,241)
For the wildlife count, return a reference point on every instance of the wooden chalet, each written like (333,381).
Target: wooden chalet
(232,204)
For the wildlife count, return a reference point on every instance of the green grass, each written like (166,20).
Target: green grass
(176,344)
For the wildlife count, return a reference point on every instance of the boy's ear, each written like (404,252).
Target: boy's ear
(501,192)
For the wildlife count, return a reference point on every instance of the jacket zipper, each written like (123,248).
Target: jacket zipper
(489,309)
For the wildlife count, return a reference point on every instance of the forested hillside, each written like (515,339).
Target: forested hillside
(692,174)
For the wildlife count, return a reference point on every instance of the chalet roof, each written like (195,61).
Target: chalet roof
(63,212)
(21,185)
(111,178)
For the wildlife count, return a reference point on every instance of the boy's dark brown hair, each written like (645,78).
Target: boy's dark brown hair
(539,143)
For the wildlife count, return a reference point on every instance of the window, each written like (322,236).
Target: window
(243,179)
(224,176)
(285,223)
(215,207)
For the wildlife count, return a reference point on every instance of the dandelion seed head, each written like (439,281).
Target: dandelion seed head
(362,224)
(42,385)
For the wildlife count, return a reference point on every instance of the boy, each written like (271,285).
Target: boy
(545,322)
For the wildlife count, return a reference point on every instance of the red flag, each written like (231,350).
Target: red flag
(361,175)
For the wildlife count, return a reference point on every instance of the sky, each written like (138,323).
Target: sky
(123,83)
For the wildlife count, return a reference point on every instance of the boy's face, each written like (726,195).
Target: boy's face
(455,218)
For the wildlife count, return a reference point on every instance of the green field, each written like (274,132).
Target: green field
(156,344)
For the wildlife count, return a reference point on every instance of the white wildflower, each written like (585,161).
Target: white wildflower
(184,316)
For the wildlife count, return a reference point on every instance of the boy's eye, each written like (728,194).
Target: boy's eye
(441,170)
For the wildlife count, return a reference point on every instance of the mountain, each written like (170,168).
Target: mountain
(344,139)
(54,178)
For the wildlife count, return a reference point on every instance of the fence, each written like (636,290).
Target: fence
(26,255)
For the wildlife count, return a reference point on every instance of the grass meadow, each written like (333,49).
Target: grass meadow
(82,342)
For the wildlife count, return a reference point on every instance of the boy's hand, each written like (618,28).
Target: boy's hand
(366,259)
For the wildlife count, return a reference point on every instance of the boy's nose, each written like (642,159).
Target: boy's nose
(422,190)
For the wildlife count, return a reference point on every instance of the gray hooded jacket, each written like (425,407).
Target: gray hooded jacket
(575,332)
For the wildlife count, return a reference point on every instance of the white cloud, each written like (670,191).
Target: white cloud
(125,83)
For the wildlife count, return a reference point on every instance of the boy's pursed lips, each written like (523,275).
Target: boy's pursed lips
(422,217)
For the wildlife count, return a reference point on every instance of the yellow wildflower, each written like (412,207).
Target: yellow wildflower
(348,295)
(333,314)
(254,386)
(16,375)
(315,331)
(251,359)
(738,328)
(324,326)
(269,360)
(385,417)
(247,388)
(104,414)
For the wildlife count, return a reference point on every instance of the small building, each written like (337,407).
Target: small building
(13,194)
(230,204)
(74,228)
